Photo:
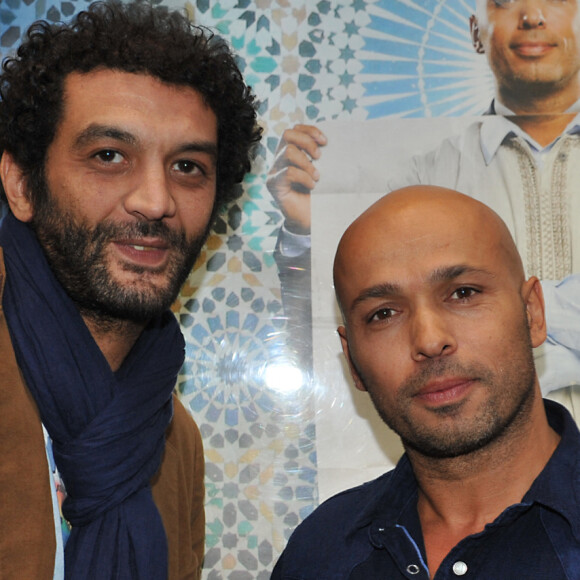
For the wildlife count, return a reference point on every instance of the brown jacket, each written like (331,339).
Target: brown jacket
(27,541)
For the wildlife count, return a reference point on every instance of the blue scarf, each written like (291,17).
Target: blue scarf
(107,429)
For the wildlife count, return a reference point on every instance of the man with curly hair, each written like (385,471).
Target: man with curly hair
(121,135)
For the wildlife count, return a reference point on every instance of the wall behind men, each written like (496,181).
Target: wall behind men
(309,62)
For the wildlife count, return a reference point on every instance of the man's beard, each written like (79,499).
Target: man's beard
(510,396)
(493,420)
(77,255)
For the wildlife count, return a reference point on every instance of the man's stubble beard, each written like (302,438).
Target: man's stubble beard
(77,255)
(532,83)
(504,409)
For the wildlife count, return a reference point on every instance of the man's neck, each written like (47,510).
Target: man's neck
(543,118)
(543,129)
(115,338)
(459,496)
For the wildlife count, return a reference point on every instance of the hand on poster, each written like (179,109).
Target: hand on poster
(293,175)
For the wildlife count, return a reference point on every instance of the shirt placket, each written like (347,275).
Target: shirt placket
(402,548)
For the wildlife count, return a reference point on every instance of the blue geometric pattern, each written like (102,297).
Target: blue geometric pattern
(422,62)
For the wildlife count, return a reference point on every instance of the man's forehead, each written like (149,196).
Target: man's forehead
(425,237)
(398,276)
(111,97)
(423,227)
(400,263)
(80,85)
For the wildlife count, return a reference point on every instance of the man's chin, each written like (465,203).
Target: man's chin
(536,80)
(138,309)
(133,298)
(141,282)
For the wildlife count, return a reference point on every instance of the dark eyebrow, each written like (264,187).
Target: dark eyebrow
(446,274)
(452,272)
(378,291)
(94,132)
(208,147)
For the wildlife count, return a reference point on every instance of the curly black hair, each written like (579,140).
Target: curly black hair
(134,37)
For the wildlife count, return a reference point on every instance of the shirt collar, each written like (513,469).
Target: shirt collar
(497,127)
(388,500)
(557,487)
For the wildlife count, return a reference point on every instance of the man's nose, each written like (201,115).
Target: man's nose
(151,197)
(432,334)
(532,14)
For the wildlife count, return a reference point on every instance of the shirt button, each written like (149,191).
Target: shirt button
(460,568)
(413,569)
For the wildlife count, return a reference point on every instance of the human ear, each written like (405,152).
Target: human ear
(15,187)
(354,373)
(533,298)
(474,31)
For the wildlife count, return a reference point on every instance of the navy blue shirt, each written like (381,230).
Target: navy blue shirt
(373,531)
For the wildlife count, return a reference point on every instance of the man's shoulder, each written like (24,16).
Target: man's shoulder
(337,529)
(349,502)
(457,143)
(442,165)
(336,521)
(178,491)
(183,433)
(182,467)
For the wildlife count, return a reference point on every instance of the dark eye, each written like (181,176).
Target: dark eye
(109,156)
(464,293)
(382,314)
(186,166)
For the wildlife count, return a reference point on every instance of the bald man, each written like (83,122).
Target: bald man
(522,158)
(439,326)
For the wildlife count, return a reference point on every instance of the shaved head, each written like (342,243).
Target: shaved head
(439,320)
(422,215)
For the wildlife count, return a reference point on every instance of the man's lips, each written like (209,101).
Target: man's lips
(532,48)
(147,252)
(445,390)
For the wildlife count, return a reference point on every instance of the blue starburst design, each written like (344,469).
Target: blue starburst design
(227,356)
(419,61)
